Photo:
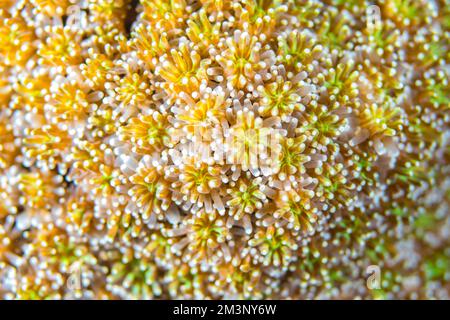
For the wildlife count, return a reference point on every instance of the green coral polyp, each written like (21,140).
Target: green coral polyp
(224,149)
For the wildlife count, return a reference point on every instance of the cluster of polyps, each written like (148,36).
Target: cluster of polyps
(223,149)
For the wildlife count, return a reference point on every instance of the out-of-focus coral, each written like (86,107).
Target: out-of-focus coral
(248,149)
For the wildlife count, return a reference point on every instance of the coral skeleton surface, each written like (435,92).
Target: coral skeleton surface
(219,149)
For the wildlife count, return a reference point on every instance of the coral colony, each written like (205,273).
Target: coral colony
(216,149)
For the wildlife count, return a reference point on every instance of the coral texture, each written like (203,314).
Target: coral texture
(248,149)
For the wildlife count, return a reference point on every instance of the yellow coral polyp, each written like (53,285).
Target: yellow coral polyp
(218,149)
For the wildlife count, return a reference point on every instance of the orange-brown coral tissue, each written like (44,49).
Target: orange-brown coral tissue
(219,149)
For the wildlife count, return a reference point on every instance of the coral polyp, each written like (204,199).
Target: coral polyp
(218,149)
